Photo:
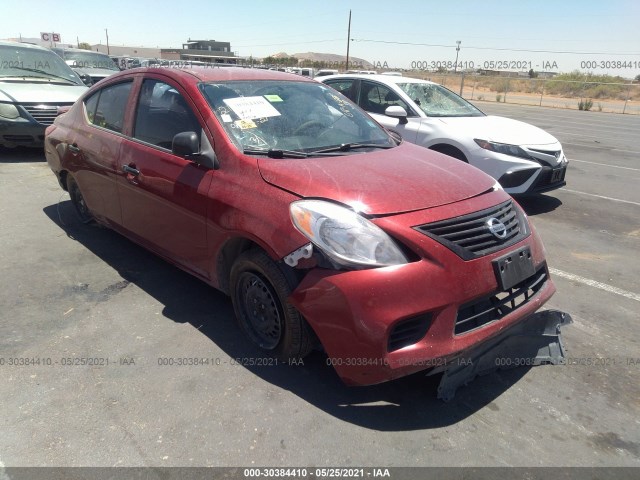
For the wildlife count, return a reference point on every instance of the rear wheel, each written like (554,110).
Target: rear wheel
(84,215)
(259,291)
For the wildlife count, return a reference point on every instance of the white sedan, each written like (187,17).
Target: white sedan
(523,158)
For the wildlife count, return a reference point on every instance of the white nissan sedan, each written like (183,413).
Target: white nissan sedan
(523,158)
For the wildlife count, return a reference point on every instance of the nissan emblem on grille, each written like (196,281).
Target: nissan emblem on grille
(496,227)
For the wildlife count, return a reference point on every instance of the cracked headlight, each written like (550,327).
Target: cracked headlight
(344,236)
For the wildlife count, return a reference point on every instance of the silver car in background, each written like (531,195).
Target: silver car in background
(36,85)
(523,158)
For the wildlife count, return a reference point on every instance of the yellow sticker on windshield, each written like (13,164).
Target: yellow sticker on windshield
(245,124)
(273,98)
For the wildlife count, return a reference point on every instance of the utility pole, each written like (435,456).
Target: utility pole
(455,66)
(107,34)
(348,40)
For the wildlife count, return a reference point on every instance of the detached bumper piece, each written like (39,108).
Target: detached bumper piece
(534,341)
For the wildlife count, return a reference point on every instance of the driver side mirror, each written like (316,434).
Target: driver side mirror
(395,111)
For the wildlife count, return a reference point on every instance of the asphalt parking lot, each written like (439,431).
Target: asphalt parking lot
(70,292)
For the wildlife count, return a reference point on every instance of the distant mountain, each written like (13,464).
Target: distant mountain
(327,57)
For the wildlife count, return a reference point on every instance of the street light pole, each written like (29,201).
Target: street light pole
(107,34)
(455,66)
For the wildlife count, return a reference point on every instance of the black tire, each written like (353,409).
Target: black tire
(259,291)
(451,151)
(84,215)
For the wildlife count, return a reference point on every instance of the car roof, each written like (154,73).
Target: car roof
(388,79)
(215,73)
(22,45)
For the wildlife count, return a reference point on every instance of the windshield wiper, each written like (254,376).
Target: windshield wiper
(345,147)
(35,70)
(275,153)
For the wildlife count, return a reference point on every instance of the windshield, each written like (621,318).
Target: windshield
(87,59)
(437,101)
(24,62)
(292,116)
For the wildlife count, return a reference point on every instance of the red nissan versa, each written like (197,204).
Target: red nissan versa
(325,230)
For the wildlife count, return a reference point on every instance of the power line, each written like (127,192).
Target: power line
(494,48)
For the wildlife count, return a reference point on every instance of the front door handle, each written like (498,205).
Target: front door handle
(73,148)
(131,170)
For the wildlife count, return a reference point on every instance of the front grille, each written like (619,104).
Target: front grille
(26,139)
(495,306)
(44,113)
(409,331)
(469,235)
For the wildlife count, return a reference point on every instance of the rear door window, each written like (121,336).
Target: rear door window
(106,108)
(345,87)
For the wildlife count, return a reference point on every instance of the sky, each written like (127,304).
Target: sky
(562,36)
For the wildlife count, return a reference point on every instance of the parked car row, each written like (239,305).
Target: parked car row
(326,229)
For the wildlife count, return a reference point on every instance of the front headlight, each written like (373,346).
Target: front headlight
(344,236)
(8,111)
(504,148)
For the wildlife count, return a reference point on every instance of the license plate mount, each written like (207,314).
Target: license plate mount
(512,268)
(557,175)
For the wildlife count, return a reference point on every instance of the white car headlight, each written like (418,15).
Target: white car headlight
(8,111)
(504,148)
(346,237)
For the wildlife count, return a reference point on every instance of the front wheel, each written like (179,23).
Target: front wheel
(259,291)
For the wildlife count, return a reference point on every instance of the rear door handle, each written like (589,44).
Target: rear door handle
(131,170)
(73,148)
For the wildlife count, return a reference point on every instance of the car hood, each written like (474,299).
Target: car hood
(381,182)
(39,92)
(500,130)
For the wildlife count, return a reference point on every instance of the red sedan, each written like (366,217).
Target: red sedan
(325,230)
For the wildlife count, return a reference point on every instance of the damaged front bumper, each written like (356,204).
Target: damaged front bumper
(534,341)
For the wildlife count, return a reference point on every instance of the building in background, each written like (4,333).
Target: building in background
(124,51)
(208,51)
